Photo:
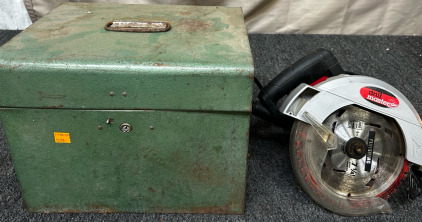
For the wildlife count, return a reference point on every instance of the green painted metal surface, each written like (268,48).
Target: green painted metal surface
(186,93)
(189,161)
(203,63)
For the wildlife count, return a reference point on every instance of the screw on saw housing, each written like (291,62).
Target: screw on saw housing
(315,68)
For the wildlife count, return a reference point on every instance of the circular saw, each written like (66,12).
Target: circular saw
(355,140)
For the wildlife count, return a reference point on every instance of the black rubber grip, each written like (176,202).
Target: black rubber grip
(308,69)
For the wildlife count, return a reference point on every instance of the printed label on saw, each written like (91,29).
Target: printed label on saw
(379,97)
(370,152)
(352,167)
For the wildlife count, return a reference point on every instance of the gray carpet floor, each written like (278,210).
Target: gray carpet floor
(272,193)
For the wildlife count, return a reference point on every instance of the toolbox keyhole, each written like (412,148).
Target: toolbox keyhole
(125,127)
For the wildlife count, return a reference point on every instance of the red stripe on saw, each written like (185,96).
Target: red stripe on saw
(322,79)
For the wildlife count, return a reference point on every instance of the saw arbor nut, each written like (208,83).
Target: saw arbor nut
(356,148)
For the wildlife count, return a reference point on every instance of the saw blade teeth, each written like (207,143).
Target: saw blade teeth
(344,172)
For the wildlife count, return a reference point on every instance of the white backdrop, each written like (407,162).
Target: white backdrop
(361,17)
(13,15)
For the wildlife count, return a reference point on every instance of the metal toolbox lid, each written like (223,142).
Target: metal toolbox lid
(67,59)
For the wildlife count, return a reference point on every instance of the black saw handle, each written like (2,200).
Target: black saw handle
(308,69)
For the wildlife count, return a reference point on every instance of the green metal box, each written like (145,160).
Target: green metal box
(110,121)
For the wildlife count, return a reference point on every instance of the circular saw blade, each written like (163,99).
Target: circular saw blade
(345,177)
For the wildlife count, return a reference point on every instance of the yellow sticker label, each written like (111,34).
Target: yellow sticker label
(61,137)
